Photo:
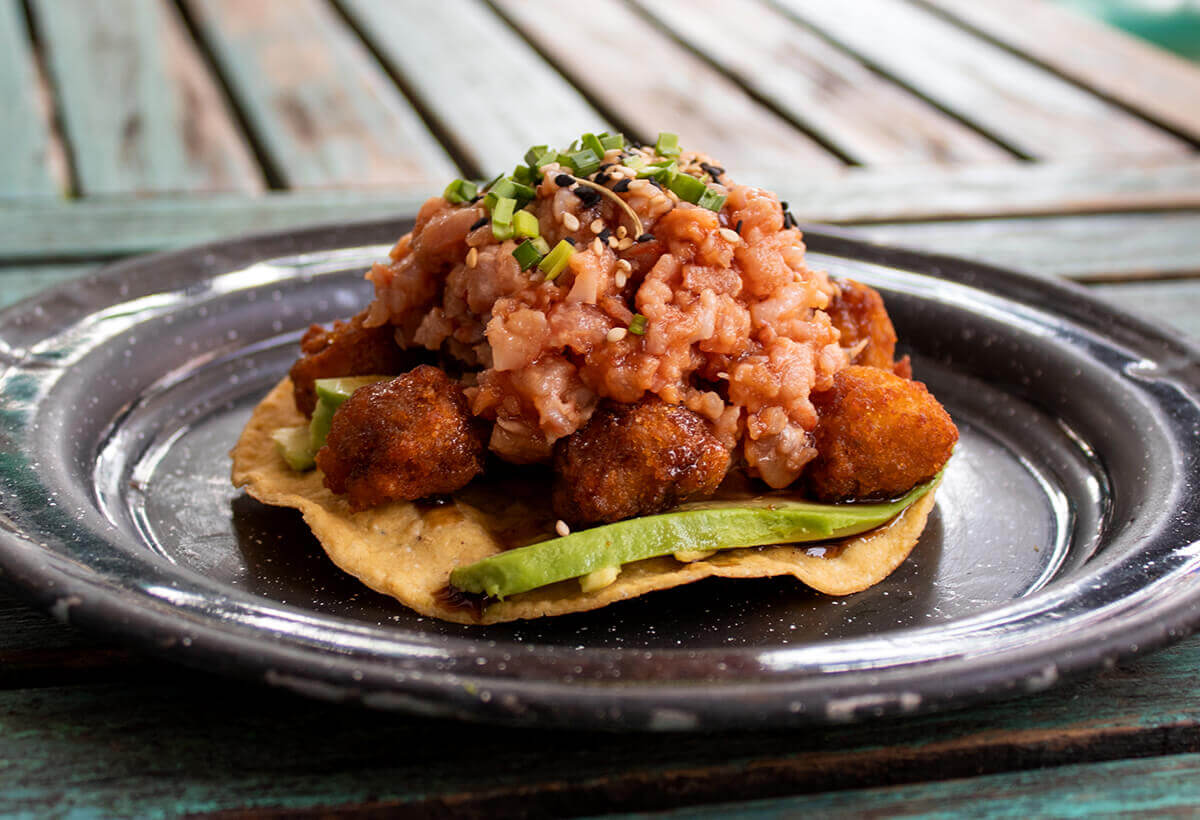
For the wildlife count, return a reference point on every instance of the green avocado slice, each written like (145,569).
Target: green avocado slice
(331,393)
(293,445)
(710,525)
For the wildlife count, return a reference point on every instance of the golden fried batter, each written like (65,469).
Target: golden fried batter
(858,312)
(402,439)
(635,459)
(878,435)
(348,349)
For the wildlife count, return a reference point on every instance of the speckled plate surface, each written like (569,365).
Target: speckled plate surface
(1066,533)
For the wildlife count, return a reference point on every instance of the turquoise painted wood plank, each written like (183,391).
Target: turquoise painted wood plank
(321,107)
(868,118)
(139,106)
(490,94)
(1027,107)
(32,163)
(16,283)
(648,82)
(1148,79)
(1093,248)
(1154,787)
(1175,303)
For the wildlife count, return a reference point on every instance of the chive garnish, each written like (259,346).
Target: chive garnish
(637,325)
(711,199)
(459,191)
(583,162)
(540,155)
(611,141)
(667,145)
(553,263)
(526,254)
(525,224)
(592,142)
(687,188)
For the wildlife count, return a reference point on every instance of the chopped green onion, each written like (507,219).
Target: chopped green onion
(525,224)
(611,141)
(662,170)
(542,246)
(637,325)
(553,263)
(634,161)
(525,175)
(502,210)
(540,155)
(711,200)
(515,190)
(593,144)
(502,232)
(459,191)
(526,254)
(687,188)
(493,181)
(667,145)
(582,162)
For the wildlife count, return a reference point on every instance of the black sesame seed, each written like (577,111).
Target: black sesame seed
(646,237)
(606,166)
(570,240)
(738,227)
(563,180)
(783,205)
(602,179)
(714,171)
(604,235)
(588,196)
(655,183)
(479,223)
(474,199)
(622,186)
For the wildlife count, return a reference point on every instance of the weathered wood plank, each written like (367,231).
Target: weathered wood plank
(320,106)
(649,83)
(490,93)
(1158,786)
(187,742)
(1028,108)
(140,108)
(1144,78)
(1175,303)
(866,117)
(1092,248)
(105,227)
(32,162)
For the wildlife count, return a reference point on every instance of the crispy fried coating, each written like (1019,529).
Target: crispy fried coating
(635,459)
(859,313)
(402,439)
(347,349)
(877,436)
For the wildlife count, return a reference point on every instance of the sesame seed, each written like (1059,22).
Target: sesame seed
(729,235)
(588,196)
(624,265)
(597,246)
(646,237)
(570,240)
(472,257)
(570,221)
(625,244)
(621,278)
(597,225)
(604,235)
(479,223)
(621,231)
(622,186)
(723,375)
(738,227)
(613,242)
(617,334)
(561,528)
(563,180)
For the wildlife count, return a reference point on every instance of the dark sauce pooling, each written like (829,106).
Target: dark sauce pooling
(453,598)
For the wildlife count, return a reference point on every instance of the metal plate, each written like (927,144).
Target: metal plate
(1066,533)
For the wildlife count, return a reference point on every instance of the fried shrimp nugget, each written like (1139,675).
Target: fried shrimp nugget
(402,439)
(635,459)
(859,314)
(877,436)
(347,349)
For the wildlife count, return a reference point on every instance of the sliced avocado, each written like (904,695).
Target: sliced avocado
(705,526)
(293,444)
(330,395)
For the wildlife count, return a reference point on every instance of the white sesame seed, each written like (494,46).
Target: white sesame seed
(561,528)
(597,225)
(617,334)
(621,231)
(612,242)
(597,246)
(625,244)
(730,235)
(472,257)
(620,279)
(570,221)
(624,265)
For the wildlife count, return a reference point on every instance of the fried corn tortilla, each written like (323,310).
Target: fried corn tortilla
(407,550)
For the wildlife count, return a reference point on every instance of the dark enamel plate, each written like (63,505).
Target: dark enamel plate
(1066,533)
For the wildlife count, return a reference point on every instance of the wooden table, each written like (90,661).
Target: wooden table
(1007,131)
